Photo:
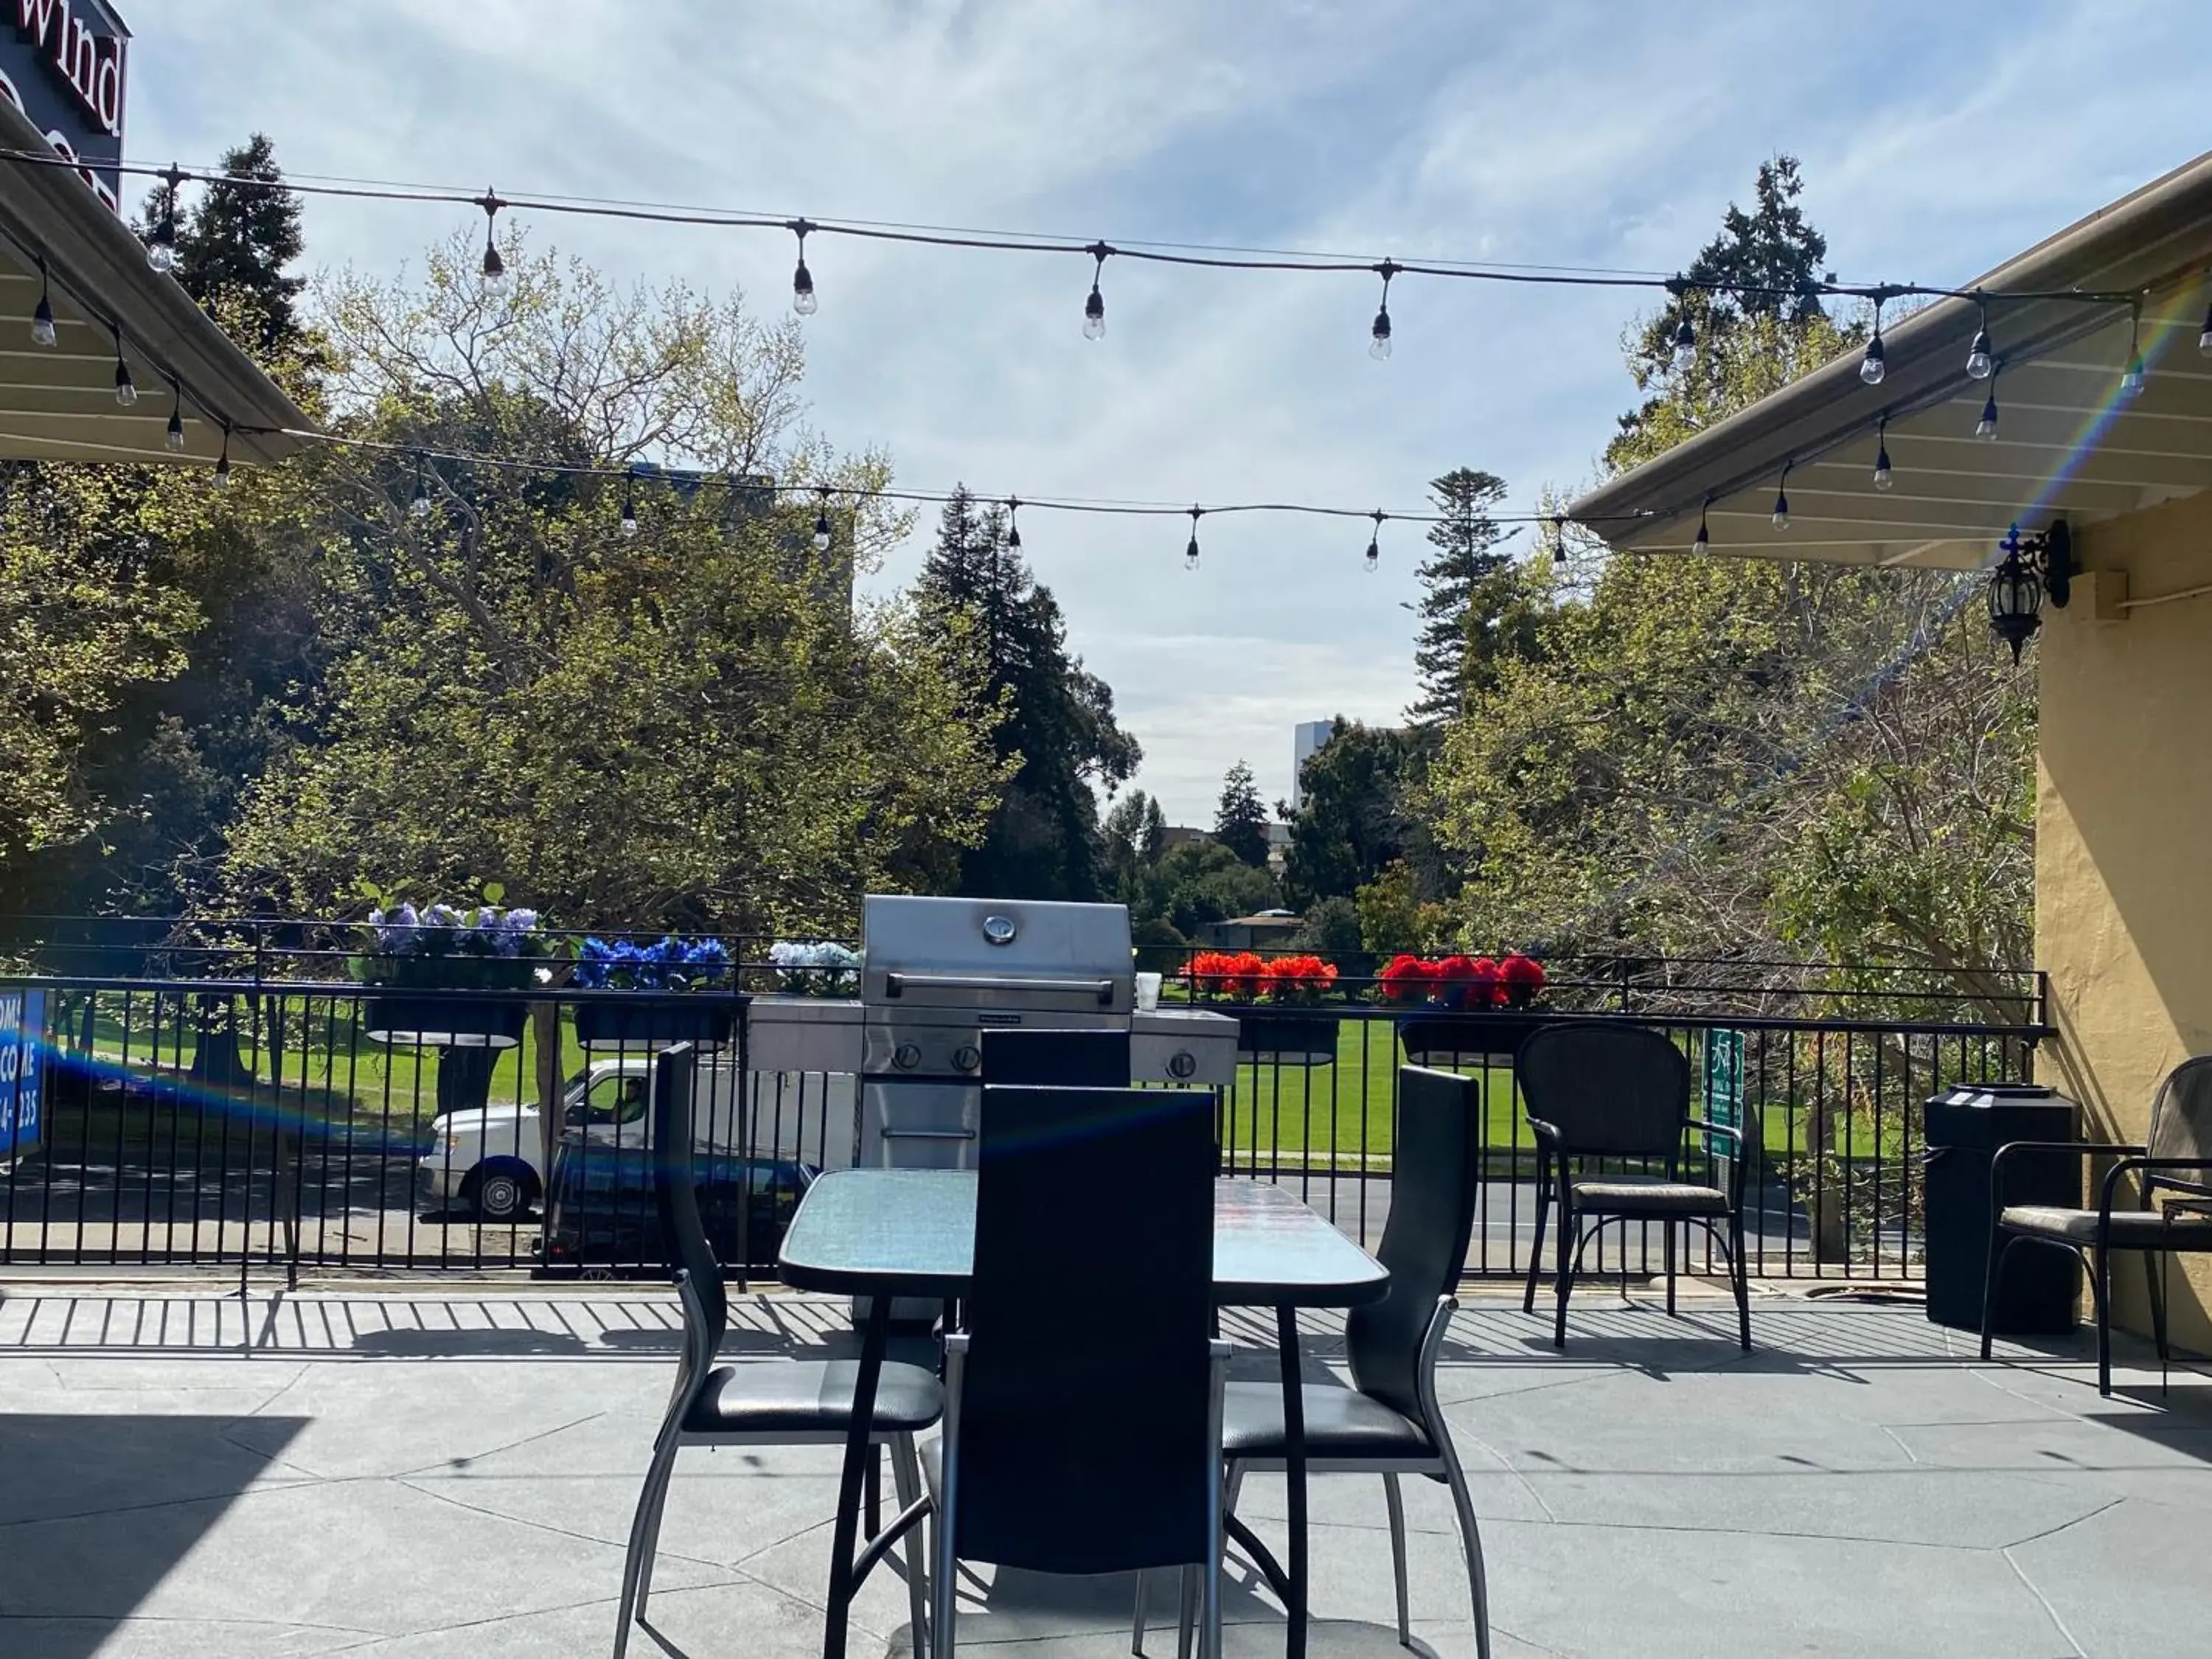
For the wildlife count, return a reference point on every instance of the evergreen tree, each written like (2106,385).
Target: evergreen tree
(234,243)
(1469,587)
(1240,820)
(1043,840)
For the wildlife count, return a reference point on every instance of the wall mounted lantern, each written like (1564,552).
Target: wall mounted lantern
(2034,568)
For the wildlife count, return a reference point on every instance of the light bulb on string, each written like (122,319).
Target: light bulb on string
(1872,366)
(1375,543)
(821,536)
(493,282)
(126,389)
(222,461)
(1781,520)
(2204,339)
(42,318)
(175,435)
(1013,530)
(1704,544)
(420,505)
(1883,479)
(161,244)
(1378,333)
(802,280)
(630,504)
(1981,357)
(1987,425)
(1558,540)
(1190,551)
(1094,307)
(2133,377)
(1685,339)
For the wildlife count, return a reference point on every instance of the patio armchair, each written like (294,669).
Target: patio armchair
(2178,1147)
(767,1402)
(1083,1401)
(1596,1089)
(1388,1422)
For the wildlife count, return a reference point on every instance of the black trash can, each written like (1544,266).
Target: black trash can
(1965,1127)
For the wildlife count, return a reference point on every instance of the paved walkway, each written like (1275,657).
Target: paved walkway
(412,1476)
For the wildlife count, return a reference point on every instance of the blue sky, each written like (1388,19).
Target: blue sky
(1936,140)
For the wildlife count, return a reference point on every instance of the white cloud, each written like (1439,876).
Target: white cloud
(1937,141)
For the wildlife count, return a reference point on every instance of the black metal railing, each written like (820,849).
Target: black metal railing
(337,1128)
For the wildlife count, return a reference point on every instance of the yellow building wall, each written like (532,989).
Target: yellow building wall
(2124,845)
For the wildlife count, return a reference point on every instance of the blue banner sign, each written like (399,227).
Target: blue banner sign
(23,1028)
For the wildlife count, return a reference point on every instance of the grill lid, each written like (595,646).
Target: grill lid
(993,953)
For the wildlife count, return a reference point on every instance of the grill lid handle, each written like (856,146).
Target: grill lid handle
(896,985)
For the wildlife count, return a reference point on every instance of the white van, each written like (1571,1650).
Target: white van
(490,1160)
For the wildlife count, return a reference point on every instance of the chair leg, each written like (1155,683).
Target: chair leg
(1396,1505)
(2000,1248)
(944,1581)
(2154,1271)
(1137,1625)
(1566,1266)
(1739,1270)
(1536,1245)
(906,1479)
(1470,1538)
(1666,1228)
(644,1534)
(1187,1619)
(2101,1277)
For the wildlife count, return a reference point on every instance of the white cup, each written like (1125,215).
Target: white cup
(1148,993)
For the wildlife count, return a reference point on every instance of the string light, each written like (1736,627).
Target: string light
(821,536)
(126,389)
(1883,479)
(419,507)
(1981,357)
(1378,341)
(1375,543)
(175,434)
(630,504)
(1987,425)
(1094,308)
(1190,551)
(1013,530)
(802,279)
(1872,368)
(2204,339)
(1782,498)
(161,246)
(42,319)
(495,268)
(1704,541)
(222,461)
(1685,337)
(2133,377)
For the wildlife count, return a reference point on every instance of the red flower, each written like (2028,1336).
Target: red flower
(1519,979)
(1485,992)
(1408,979)
(1294,976)
(1236,973)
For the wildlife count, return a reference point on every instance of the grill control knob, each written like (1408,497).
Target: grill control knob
(1182,1064)
(966,1058)
(907,1056)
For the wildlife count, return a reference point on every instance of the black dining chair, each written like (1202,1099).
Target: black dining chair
(1388,1422)
(1083,1400)
(769,1402)
(1604,1090)
(2172,1210)
(1035,1055)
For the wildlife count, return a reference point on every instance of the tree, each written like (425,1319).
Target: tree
(1134,837)
(1240,817)
(1202,881)
(235,243)
(656,729)
(1468,587)
(1056,729)
(1351,821)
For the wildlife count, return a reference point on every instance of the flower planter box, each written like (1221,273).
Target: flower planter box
(656,1024)
(431,1021)
(1287,1036)
(1455,1037)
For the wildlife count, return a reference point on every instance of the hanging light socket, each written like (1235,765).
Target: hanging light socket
(1190,549)
(1374,560)
(1378,332)
(802,280)
(1873,366)
(822,532)
(630,504)
(494,280)
(1883,478)
(161,243)
(1704,544)
(126,389)
(1094,307)
(174,434)
(222,461)
(419,506)
(1782,501)
(1981,357)
(2134,376)
(1013,530)
(42,317)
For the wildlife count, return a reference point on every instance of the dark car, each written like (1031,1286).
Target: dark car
(601,1219)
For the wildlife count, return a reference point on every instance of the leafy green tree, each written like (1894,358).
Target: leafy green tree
(1240,817)
(1135,836)
(1203,881)
(690,725)
(1057,731)
(1351,821)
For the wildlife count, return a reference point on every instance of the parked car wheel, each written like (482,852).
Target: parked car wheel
(502,1192)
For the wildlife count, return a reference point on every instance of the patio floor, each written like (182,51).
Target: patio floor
(412,1474)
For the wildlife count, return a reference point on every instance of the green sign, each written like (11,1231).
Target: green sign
(1723,1086)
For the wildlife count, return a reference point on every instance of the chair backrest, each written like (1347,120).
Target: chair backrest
(1424,1242)
(1066,1059)
(2181,1126)
(675,1189)
(1610,1090)
(1083,1442)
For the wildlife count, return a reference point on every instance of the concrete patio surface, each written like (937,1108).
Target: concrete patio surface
(410,1474)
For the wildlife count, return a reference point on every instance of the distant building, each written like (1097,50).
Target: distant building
(1182,834)
(1270,930)
(1306,738)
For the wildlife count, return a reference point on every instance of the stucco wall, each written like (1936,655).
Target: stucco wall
(2123,844)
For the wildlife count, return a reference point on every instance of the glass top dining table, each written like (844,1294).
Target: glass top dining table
(887,1234)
